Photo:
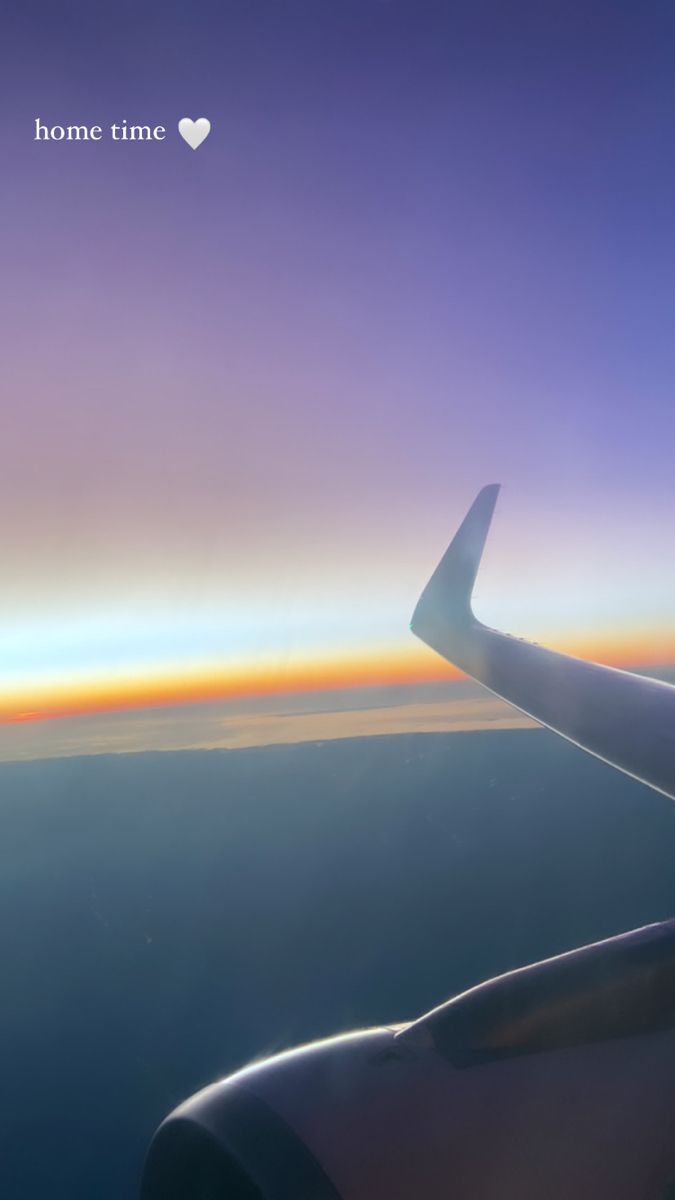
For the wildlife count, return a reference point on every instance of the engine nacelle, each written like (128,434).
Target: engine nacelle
(556,1080)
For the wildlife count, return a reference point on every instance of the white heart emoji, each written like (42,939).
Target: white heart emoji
(194,132)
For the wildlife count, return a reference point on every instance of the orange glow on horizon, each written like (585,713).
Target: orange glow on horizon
(409,665)
(201,685)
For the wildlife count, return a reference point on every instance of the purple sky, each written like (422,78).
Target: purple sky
(249,391)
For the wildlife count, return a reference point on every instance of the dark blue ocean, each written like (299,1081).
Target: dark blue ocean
(166,917)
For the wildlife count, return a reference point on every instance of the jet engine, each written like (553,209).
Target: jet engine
(554,1080)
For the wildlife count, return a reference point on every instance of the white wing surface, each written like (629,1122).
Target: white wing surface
(626,720)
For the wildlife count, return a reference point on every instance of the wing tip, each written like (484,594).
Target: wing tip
(445,603)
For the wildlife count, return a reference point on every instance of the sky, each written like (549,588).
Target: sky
(249,391)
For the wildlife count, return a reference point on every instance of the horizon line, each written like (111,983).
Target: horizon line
(402,666)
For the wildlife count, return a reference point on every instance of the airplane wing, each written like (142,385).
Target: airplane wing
(624,719)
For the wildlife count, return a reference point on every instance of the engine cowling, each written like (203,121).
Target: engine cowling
(557,1079)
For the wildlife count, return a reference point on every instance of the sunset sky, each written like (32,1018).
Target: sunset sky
(249,391)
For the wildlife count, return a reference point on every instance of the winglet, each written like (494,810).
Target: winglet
(445,603)
(626,720)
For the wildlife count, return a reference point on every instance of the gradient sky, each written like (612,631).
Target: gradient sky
(248,392)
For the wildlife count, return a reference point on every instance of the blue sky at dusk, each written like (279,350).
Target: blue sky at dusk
(250,390)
